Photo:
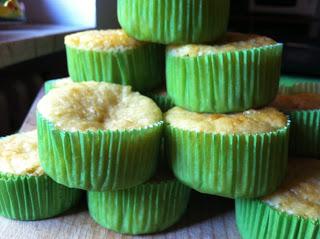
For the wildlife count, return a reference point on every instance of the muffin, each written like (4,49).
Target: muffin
(240,155)
(51,84)
(293,211)
(27,193)
(238,73)
(98,136)
(147,208)
(174,21)
(301,101)
(113,56)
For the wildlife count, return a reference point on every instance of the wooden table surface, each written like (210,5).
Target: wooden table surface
(206,217)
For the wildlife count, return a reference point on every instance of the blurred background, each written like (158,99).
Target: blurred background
(32,49)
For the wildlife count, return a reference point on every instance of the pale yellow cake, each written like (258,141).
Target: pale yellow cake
(248,122)
(300,193)
(102,40)
(19,154)
(98,105)
(231,42)
(299,101)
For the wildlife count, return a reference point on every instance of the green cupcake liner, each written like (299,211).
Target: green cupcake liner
(162,100)
(256,219)
(225,82)
(49,85)
(234,166)
(291,85)
(174,21)
(98,160)
(147,208)
(141,67)
(305,124)
(34,197)
(305,133)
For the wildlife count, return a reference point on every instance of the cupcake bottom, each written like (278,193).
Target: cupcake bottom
(98,160)
(234,166)
(256,219)
(34,197)
(148,208)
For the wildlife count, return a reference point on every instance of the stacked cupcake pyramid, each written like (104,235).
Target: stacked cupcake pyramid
(211,130)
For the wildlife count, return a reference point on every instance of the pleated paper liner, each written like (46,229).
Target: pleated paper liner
(49,85)
(99,160)
(141,67)
(290,84)
(256,219)
(34,197)
(234,166)
(174,21)
(162,100)
(225,82)
(305,127)
(147,208)
(305,133)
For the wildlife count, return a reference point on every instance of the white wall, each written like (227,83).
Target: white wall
(107,14)
(64,12)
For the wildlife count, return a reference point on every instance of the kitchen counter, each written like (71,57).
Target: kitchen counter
(20,42)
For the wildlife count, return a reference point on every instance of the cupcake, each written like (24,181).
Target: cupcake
(113,56)
(51,84)
(236,74)
(240,155)
(174,21)
(301,100)
(292,212)
(147,208)
(98,136)
(27,193)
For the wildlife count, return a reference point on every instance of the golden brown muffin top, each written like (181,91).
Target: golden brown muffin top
(248,122)
(19,154)
(299,101)
(231,42)
(299,194)
(97,105)
(102,40)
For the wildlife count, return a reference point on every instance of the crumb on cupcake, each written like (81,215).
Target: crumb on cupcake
(102,40)
(300,193)
(93,106)
(248,122)
(298,101)
(19,154)
(231,42)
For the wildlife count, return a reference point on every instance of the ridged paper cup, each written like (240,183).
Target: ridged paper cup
(224,82)
(305,127)
(147,208)
(49,85)
(141,67)
(24,197)
(290,83)
(174,21)
(234,166)
(162,100)
(99,160)
(256,219)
